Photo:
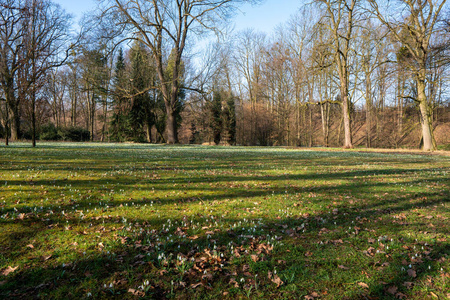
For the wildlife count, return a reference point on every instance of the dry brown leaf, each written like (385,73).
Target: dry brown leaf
(370,252)
(277,280)
(315,295)
(30,246)
(392,290)
(179,232)
(162,272)
(254,257)
(412,273)
(208,276)
(46,257)
(400,295)
(434,295)
(193,237)
(364,285)
(408,284)
(136,292)
(308,253)
(196,285)
(343,267)
(9,270)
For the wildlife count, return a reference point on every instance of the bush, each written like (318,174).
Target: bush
(74,134)
(49,132)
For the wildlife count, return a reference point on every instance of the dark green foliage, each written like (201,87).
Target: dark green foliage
(74,134)
(216,116)
(229,119)
(136,102)
(49,132)
(118,129)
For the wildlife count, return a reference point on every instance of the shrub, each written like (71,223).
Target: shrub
(74,134)
(49,132)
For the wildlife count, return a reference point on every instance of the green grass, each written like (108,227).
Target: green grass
(191,222)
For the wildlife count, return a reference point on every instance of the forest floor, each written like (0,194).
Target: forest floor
(197,222)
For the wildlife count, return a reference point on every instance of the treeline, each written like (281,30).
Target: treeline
(337,73)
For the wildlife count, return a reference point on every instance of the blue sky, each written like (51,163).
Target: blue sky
(263,17)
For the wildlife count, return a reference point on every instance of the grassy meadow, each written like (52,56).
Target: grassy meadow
(104,221)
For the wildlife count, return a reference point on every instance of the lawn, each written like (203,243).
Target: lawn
(196,222)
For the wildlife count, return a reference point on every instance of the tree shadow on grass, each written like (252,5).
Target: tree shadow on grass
(313,242)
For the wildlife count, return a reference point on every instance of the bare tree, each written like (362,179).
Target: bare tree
(341,22)
(12,34)
(414,24)
(164,26)
(47,47)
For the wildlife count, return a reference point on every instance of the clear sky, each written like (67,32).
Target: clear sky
(263,17)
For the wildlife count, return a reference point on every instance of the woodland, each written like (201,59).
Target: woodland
(345,73)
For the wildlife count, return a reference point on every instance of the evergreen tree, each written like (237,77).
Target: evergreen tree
(119,130)
(229,120)
(216,116)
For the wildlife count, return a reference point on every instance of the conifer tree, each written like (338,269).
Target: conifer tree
(120,101)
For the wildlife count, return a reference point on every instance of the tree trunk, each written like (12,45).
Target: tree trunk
(6,124)
(346,117)
(171,125)
(33,116)
(149,132)
(425,117)
(14,120)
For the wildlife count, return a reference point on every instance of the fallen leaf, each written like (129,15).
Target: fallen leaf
(208,276)
(343,267)
(196,285)
(30,246)
(434,295)
(254,257)
(179,232)
(392,290)
(136,292)
(412,273)
(408,284)
(370,252)
(364,285)
(400,295)
(162,272)
(315,295)
(308,253)
(193,237)
(275,279)
(46,257)
(9,270)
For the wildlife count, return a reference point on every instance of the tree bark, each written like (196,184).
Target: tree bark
(425,116)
